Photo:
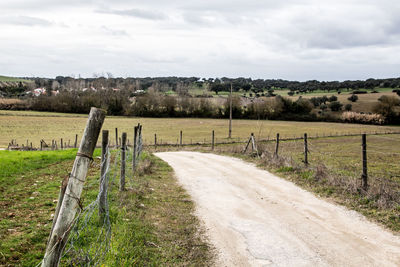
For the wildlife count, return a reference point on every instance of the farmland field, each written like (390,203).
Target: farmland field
(34,126)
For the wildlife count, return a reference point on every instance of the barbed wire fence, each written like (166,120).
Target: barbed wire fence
(89,235)
(370,164)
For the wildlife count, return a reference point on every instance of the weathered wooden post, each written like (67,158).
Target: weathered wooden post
(230,114)
(252,142)
(70,200)
(155,141)
(103,176)
(305,149)
(62,144)
(135,132)
(76,141)
(364,176)
(116,137)
(41,145)
(277,145)
(123,157)
(180,139)
(212,140)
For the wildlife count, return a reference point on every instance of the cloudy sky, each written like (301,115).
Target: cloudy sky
(287,39)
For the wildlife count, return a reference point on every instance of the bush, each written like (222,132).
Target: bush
(348,107)
(335,106)
(332,98)
(353,98)
(323,106)
(355,117)
(290,93)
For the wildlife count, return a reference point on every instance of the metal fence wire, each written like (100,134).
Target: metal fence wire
(90,237)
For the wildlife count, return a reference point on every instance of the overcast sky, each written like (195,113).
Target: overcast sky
(287,39)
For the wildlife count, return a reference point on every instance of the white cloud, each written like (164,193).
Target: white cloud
(308,39)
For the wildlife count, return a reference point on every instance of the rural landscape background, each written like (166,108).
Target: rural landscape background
(105,106)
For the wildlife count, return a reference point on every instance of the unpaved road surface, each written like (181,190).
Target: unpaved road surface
(254,218)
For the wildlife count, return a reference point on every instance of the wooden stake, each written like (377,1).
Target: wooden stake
(364,175)
(180,139)
(71,200)
(116,137)
(103,179)
(135,132)
(123,157)
(230,114)
(277,145)
(212,140)
(305,149)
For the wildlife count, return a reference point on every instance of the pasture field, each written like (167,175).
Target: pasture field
(34,126)
(151,223)
(12,79)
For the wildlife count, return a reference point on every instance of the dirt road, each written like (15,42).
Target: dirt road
(254,218)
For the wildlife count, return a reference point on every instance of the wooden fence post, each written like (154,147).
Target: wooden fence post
(305,149)
(180,139)
(70,201)
(103,179)
(76,141)
(62,144)
(123,157)
(116,137)
(41,145)
(277,145)
(364,176)
(212,140)
(135,132)
(155,141)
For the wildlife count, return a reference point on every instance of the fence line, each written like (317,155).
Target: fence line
(88,226)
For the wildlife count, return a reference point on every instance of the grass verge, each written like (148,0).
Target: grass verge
(152,222)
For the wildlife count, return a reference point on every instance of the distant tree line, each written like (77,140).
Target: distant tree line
(181,85)
(156,104)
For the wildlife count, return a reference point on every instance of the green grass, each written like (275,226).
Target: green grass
(152,222)
(12,79)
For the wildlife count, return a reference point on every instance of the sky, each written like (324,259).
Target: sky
(269,39)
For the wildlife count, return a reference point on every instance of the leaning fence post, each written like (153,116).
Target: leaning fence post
(64,219)
(123,156)
(364,162)
(305,149)
(103,176)
(277,145)
(212,142)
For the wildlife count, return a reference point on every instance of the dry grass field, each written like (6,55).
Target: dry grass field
(34,126)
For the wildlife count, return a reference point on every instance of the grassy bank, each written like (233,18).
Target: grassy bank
(151,223)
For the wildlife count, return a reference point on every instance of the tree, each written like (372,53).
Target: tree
(353,98)
(348,107)
(335,106)
(387,107)
(332,98)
